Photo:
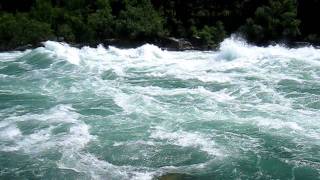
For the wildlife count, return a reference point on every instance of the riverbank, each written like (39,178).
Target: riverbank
(168,43)
(133,23)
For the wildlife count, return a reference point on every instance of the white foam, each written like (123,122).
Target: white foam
(69,143)
(188,139)
(12,56)
(57,114)
(231,49)
(133,103)
(77,137)
(204,66)
(10,133)
(146,52)
(220,96)
(36,143)
(95,168)
(4,124)
(278,124)
(245,81)
(139,142)
(143,176)
(91,166)
(63,51)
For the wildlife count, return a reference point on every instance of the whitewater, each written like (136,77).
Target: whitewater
(240,112)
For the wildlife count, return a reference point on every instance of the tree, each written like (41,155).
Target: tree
(139,20)
(274,21)
(66,32)
(102,21)
(19,29)
(212,35)
(42,11)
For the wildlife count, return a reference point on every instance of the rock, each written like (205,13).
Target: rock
(301,44)
(27,46)
(123,43)
(167,43)
(172,43)
(24,47)
(175,176)
(60,39)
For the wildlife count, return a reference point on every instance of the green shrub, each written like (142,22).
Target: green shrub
(82,31)
(211,35)
(102,21)
(19,29)
(66,32)
(139,20)
(274,21)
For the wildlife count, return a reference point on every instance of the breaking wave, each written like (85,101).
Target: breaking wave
(110,113)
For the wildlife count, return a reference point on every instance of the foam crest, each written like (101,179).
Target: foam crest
(241,100)
(231,49)
(94,168)
(143,175)
(146,52)
(91,166)
(278,124)
(35,143)
(57,114)
(188,139)
(133,103)
(76,138)
(63,51)
(200,91)
(12,56)
(10,133)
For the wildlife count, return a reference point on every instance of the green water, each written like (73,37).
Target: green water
(241,112)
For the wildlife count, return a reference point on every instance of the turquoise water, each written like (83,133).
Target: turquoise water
(241,112)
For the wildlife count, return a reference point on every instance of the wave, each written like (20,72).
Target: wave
(140,113)
(231,49)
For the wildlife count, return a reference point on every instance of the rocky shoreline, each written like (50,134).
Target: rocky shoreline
(169,44)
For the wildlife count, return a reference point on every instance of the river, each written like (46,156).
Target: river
(241,112)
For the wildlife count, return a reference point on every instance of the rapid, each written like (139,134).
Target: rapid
(241,112)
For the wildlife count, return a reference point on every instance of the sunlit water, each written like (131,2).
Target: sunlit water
(242,112)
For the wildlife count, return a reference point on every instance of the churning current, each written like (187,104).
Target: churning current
(241,112)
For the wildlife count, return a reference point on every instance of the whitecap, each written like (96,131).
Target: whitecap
(63,51)
(9,133)
(188,139)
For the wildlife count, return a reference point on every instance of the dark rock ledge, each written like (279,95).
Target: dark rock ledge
(169,43)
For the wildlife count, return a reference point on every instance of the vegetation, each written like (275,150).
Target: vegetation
(274,21)
(93,21)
